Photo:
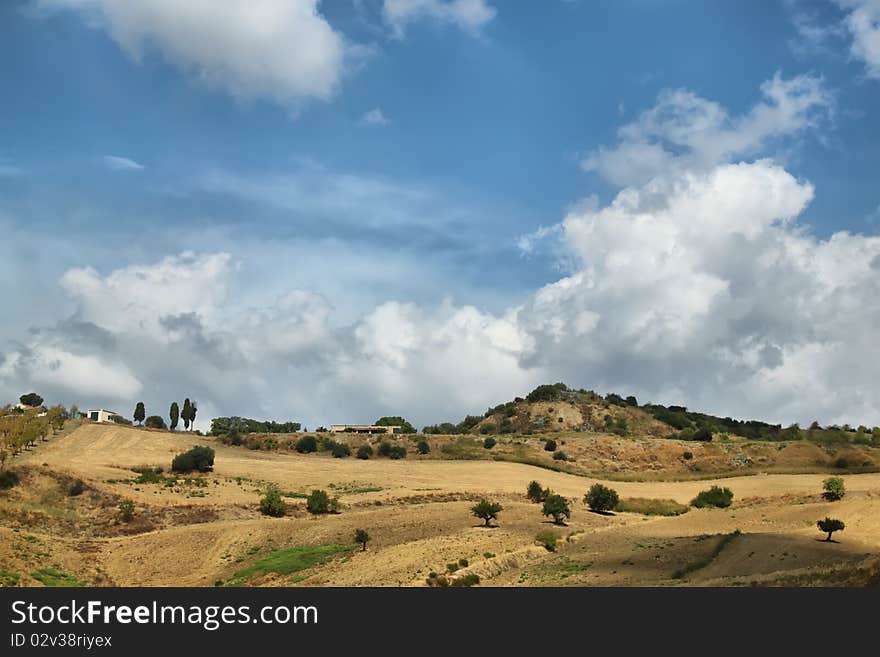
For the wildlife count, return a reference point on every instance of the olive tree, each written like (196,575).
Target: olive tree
(486,510)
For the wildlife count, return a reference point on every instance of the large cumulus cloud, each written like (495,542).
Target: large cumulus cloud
(697,284)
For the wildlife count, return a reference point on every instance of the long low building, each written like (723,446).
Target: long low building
(363,428)
(100,414)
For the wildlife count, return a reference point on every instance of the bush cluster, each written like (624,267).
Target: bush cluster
(320,502)
(198,458)
(713,497)
(601,498)
(272,504)
(8,479)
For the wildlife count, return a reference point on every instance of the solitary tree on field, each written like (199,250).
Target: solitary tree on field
(192,414)
(556,506)
(185,413)
(361,536)
(601,498)
(535,492)
(140,412)
(830,525)
(486,510)
(174,413)
(834,489)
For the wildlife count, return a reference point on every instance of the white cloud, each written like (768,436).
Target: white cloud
(697,286)
(284,50)
(684,131)
(173,324)
(137,297)
(117,163)
(863,23)
(374,117)
(707,291)
(468,15)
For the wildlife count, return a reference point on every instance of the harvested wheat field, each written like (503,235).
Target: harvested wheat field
(206,529)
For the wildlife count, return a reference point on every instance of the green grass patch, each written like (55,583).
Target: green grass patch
(568,567)
(289,561)
(651,506)
(298,496)
(355,488)
(52,577)
(463,447)
(8,579)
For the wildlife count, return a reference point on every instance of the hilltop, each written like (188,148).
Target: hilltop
(554,408)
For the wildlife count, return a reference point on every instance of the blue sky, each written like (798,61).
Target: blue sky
(397,153)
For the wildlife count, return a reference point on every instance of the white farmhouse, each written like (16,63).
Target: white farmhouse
(100,414)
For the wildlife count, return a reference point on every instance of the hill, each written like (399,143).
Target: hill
(205,529)
(553,408)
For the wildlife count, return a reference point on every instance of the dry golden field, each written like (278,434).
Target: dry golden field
(206,530)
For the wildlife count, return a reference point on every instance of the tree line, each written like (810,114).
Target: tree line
(21,428)
(176,414)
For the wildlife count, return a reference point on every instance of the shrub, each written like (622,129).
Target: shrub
(155,422)
(535,492)
(489,443)
(364,452)
(340,450)
(486,510)
(702,434)
(118,419)
(560,456)
(550,445)
(397,452)
(834,489)
(687,456)
(232,438)
(451,567)
(841,463)
(361,536)
(148,475)
(437,581)
(272,504)
(198,458)
(547,539)
(8,479)
(489,427)
(830,525)
(306,445)
(125,511)
(601,498)
(422,447)
(385,448)
(557,507)
(319,502)
(466,580)
(715,497)
(464,563)
(76,488)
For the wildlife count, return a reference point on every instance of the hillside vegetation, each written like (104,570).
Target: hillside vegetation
(558,408)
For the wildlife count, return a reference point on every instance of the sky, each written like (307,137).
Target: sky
(333,211)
